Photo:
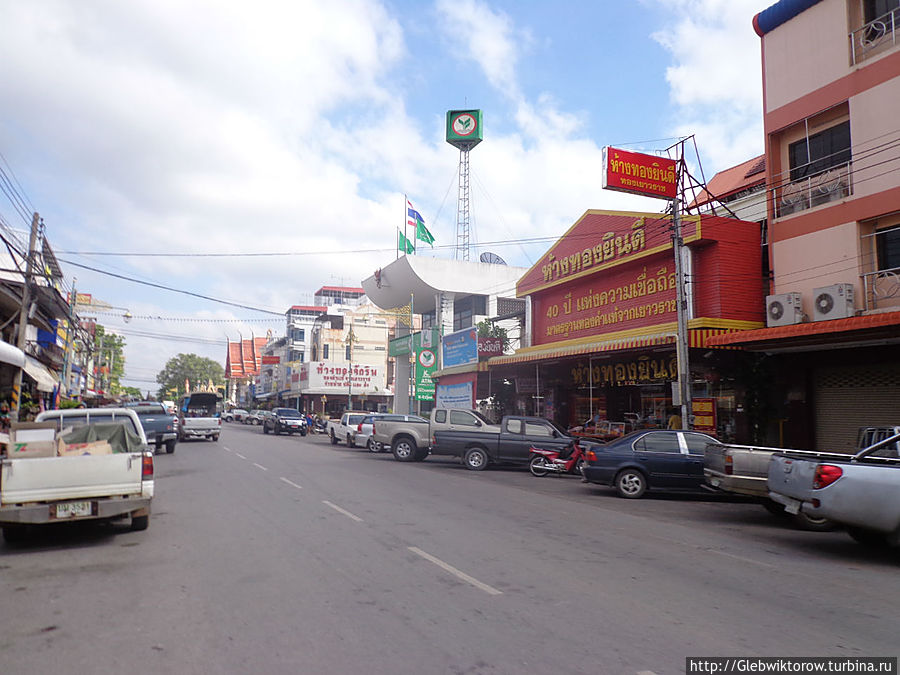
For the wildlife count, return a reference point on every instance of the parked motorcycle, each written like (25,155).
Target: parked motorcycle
(320,426)
(569,459)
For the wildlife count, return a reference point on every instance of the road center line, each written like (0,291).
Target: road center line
(455,572)
(227,448)
(240,455)
(291,483)
(260,466)
(340,510)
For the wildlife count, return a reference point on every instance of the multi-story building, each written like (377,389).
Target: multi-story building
(831,88)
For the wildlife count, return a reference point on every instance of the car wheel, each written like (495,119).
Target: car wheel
(333,438)
(420,454)
(404,449)
(15,534)
(170,446)
(631,484)
(804,521)
(774,508)
(868,538)
(215,438)
(373,446)
(476,459)
(139,523)
(350,442)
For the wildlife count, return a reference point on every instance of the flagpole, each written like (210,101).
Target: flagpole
(405,213)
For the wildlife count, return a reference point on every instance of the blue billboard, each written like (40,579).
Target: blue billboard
(460,348)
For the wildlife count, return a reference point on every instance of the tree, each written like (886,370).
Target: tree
(109,359)
(197,370)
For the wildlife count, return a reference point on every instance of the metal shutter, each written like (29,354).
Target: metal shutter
(850,397)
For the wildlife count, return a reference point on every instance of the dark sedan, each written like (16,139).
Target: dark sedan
(652,459)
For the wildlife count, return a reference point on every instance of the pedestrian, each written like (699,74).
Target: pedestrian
(674,419)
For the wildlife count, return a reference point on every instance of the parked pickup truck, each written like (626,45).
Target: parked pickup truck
(861,491)
(198,416)
(343,430)
(159,426)
(50,489)
(744,470)
(460,433)
(408,436)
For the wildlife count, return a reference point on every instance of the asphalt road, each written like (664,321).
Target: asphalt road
(288,555)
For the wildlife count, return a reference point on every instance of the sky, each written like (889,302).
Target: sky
(251,153)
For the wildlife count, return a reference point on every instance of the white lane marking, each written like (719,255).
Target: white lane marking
(228,449)
(340,510)
(455,572)
(291,483)
(260,466)
(240,455)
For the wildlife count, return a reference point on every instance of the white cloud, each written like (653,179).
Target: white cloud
(715,78)
(485,36)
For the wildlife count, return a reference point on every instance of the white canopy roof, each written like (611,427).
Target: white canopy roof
(425,277)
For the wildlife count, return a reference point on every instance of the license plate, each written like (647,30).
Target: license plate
(73,509)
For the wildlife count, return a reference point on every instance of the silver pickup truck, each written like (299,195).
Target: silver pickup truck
(744,469)
(861,491)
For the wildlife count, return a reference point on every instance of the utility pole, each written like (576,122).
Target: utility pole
(681,344)
(67,360)
(24,311)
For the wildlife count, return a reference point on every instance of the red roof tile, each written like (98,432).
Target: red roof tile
(731,181)
(836,330)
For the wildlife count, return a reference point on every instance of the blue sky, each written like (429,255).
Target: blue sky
(214,126)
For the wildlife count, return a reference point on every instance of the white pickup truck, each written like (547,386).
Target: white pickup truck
(861,491)
(40,490)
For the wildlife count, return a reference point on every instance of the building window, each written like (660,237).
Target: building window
(877,9)
(887,244)
(347,356)
(298,334)
(324,352)
(820,152)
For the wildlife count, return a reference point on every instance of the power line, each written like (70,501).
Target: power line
(173,290)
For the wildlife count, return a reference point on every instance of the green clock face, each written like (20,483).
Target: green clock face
(464,125)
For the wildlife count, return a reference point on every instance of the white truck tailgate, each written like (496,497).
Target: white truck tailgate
(52,478)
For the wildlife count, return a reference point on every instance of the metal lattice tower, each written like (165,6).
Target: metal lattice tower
(462,208)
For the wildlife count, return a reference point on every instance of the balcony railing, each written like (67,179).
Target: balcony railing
(875,36)
(806,193)
(882,287)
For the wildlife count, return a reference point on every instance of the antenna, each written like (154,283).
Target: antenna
(492,258)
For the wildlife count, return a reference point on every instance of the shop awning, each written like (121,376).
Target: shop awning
(11,355)
(871,329)
(559,351)
(37,371)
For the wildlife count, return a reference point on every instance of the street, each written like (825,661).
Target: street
(282,554)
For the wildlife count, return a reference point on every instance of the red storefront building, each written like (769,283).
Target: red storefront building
(603,325)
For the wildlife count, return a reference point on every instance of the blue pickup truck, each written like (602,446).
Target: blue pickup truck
(472,437)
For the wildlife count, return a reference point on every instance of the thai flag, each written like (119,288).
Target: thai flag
(413,217)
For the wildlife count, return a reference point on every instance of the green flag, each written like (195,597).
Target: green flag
(423,233)
(404,244)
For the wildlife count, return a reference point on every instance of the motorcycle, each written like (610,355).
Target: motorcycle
(320,426)
(569,459)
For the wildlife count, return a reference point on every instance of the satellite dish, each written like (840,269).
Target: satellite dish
(492,258)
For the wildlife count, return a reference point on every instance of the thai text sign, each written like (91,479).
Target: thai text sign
(645,369)
(270,360)
(639,296)
(704,410)
(490,346)
(455,396)
(337,377)
(639,174)
(460,348)
(426,364)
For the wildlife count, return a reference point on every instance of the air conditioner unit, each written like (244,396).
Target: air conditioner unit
(784,309)
(833,302)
